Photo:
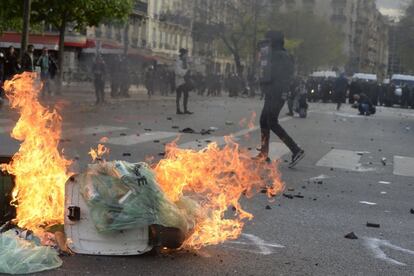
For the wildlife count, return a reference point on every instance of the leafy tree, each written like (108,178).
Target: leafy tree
(314,41)
(81,13)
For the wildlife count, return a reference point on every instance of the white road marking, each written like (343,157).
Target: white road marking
(135,139)
(261,247)
(375,245)
(368,203)
(220,139)
(319,177)
(91,130)
(343,159)
(403,166)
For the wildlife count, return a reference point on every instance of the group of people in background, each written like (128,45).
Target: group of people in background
(11,64)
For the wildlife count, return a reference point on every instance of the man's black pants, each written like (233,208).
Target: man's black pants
(182,90)
(269,121)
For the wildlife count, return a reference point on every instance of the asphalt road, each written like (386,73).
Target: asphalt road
(297,236)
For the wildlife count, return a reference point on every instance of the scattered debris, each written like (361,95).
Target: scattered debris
(126,154)
(188,130)
(299,196)
(351,236)
(229,123)
(147,129)
(175,127)
(383,193)
(412,211)
(384,161)
(122,134)
(268,207)
(368,203)
(205,132)
(169,119)
(291,189)
(288,196)
(384,182)
(161,154)
(212,128)
(156,141)
(373,225)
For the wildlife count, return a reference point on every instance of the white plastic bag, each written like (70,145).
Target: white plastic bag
(20,256)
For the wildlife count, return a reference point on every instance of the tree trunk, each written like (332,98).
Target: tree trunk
(26,26)
(61,52)
(239,66)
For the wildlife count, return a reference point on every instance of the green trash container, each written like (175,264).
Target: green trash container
(7,212)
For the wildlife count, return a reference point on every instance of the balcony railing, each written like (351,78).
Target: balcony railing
(175,18)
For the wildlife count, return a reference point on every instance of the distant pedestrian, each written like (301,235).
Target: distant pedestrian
(28,64)
(1,78)
(281,68)
(149,80)
(11,65)
(124,77)
(46,64)
(99,71)
(340,88)
(182,81)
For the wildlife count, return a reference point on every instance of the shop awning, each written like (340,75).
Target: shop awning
(39,41)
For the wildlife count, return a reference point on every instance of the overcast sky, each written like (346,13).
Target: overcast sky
(391,7)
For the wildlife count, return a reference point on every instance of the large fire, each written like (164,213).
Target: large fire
(217,178)
(40,170)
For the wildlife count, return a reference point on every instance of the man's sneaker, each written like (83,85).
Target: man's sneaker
(296,158)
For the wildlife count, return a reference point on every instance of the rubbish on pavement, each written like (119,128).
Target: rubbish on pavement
(412,211)
(229,123)
(384,182)
(288,196)
(319,177)
(384,161)
(368,203)
(373,225)
(188,130)
(126,154)
(19,255)
(123,195)
(212,128)
(351,236)
(268,207)
(299,196)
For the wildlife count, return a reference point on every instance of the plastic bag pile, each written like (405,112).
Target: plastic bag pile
(122,195)
(22,256)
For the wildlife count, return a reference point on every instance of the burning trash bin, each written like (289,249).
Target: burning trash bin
(7,212)
(117,208)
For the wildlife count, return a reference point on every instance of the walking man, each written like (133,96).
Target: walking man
(182,75)
(280,71)
(99,71)
(340,89)
(45,63)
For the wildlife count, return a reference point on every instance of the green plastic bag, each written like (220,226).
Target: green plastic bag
(122,195)
(19,256)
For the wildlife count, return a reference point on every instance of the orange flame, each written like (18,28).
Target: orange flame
(99,152)
(217,178)
(40,170)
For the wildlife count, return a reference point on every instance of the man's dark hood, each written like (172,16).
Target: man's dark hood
(277,39)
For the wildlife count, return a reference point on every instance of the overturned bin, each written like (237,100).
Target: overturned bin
(117,208)
(7,212)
